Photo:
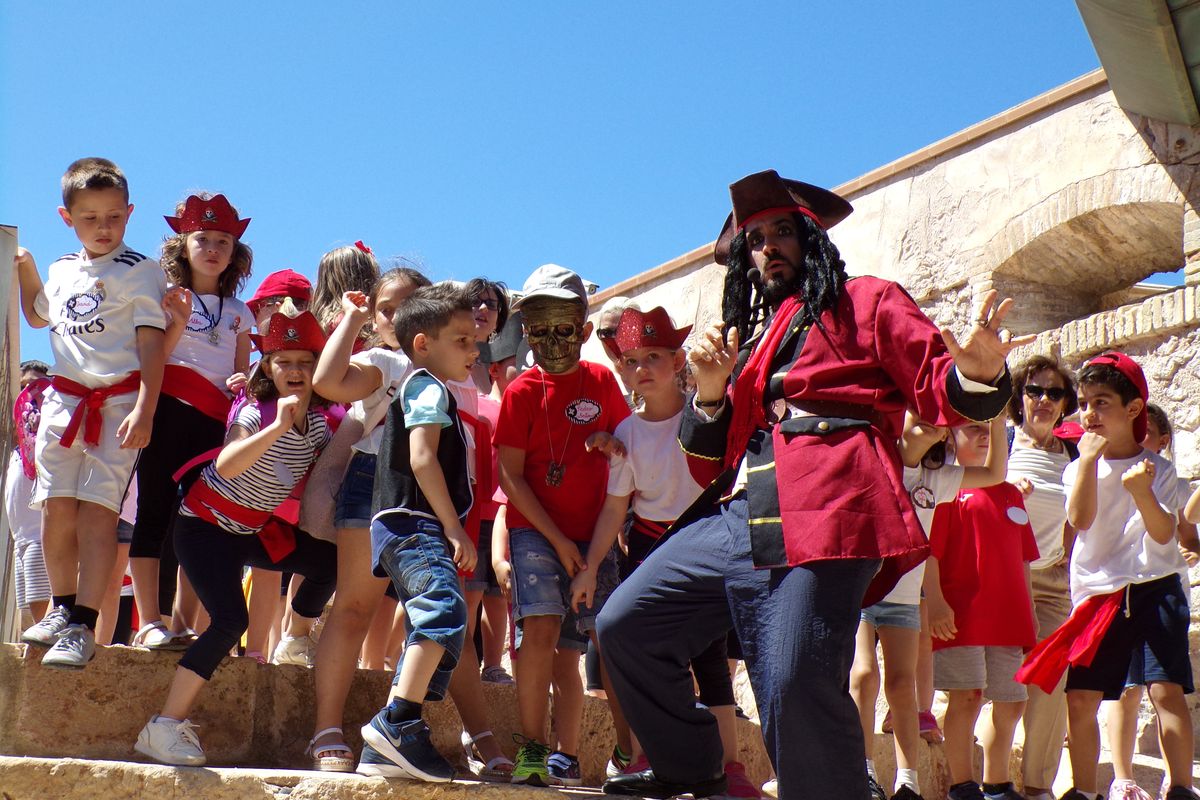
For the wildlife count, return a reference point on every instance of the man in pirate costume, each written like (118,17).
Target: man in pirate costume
(805,507)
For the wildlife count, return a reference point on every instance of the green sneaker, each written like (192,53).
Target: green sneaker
(531,762)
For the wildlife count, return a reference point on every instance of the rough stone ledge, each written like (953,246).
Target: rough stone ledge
(76,779)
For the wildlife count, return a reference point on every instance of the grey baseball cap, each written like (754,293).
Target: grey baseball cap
(551,280)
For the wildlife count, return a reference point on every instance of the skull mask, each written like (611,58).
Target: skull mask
(556,330)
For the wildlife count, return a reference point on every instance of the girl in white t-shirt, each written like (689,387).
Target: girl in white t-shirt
(208,353)
(895,621)
(368,380)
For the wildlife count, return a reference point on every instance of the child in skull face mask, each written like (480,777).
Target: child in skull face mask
(553,421)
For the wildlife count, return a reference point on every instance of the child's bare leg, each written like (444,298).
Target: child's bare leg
(495,629)
(568,699)
(145,588)
(112,598)
(1122,731)
(38,609)
(264,605)
(421,659)
(998,739)
(375,642)
(925,664)
(185,687)
(466,689)
(189,611)
(900,648)
(1174,731)
(961,714)
(727,728)
(60,543)
(864,681)
(1083,736)
(97,531)
(539,635)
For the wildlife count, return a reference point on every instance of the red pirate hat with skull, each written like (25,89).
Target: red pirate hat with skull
(213,214)
(651,328)
(289,329)
(766,193)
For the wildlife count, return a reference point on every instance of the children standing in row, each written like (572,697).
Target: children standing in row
(104,308)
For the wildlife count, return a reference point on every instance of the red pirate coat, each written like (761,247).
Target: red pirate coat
(826,480)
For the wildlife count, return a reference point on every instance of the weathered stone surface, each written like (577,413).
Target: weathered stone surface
(249,715)
(75,779)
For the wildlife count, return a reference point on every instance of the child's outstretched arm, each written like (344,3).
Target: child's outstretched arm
(336,377)
(1191,510)
(1138,480)
(243,448)
(1081,500)
(512,481)
(996,466)
(135,429)
(31,286)
(422,456)
(608,525)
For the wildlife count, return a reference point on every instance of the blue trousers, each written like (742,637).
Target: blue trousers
(797,628)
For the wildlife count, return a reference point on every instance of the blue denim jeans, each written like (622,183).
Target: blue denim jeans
(797,628)
(416,556)
(353,508)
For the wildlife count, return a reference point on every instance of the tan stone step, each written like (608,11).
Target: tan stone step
(77,779)
(249,715)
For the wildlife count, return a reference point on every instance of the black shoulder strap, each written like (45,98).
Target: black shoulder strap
(1071,448)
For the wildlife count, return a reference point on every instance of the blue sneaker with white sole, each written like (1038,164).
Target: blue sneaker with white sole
(373,765)
(406,746)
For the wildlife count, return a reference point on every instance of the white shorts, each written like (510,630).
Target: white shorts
(97,474)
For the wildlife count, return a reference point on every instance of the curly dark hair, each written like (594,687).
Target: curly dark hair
(1025,372)
(179,271)
(822,276)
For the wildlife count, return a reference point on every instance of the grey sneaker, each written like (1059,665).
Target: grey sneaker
(73,650)
(46,632)
(171,742)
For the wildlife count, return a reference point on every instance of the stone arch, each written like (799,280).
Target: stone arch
(1094,238)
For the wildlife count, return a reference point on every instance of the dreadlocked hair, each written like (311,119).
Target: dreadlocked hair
(822,276)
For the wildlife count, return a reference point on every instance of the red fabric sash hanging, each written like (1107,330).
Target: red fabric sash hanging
(87,413)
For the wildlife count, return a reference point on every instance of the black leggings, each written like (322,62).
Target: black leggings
(213,560)
(711,667)
(180,434)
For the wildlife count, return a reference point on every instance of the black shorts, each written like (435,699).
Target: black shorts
(1149,634)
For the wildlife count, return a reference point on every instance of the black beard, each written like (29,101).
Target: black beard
(776,290)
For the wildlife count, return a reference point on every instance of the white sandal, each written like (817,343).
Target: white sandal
(497,770)
(156,636)
(330,763)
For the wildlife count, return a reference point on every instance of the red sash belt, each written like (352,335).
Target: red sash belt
(184,383)
(648,527)
(277,537)
(87,413)
(1073,643)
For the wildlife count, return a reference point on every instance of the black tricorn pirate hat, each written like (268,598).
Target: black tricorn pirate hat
(765,192)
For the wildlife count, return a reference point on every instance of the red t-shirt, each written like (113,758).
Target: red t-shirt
(982,542)
(550,417)
(489,410)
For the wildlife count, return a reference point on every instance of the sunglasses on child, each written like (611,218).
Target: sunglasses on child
(1052,393)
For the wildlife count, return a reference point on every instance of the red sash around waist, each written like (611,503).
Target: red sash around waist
(87,413)
(1073,643)
(276,535)
(184,383)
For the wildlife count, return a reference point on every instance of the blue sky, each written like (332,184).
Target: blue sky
(486,138)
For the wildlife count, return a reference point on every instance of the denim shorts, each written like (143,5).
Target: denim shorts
(893,615)
(483,579)
(353,508)
(416,557)
(124,532)
(541,586)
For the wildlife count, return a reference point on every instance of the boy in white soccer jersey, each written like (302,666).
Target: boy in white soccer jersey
(104,308)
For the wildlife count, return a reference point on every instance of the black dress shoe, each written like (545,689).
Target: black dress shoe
(645,784)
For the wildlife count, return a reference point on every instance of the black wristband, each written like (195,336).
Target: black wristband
(709,403)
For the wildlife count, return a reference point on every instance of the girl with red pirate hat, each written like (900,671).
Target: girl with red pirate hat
(223,521)
(207,343)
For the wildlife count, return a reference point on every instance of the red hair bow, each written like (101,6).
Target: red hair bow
(363,247)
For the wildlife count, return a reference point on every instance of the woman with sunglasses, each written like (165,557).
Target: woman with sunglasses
(1043,395)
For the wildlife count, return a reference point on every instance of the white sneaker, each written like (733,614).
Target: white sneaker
(298,650)
(171,742)
(46,632)
(155,636)
(76,646)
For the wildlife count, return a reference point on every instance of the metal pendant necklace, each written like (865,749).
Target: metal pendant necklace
(214,333)
(556,469)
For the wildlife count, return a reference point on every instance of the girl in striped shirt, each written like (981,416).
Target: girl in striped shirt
(223,522)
